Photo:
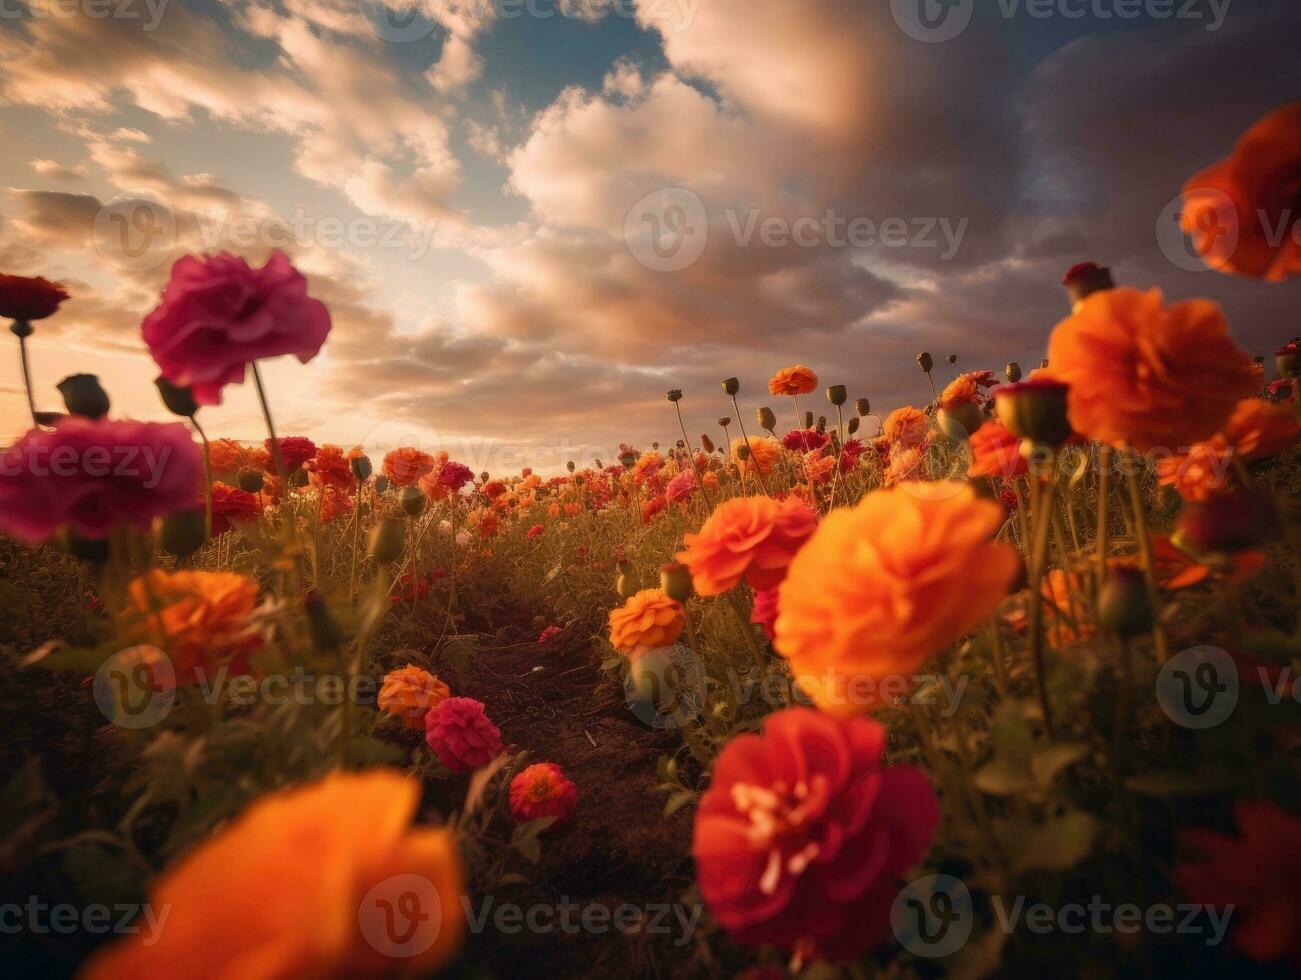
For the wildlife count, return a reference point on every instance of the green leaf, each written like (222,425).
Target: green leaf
(525,839)
(458,650)
(1048,763)
(677,801)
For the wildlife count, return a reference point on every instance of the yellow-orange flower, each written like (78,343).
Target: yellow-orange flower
(334,504)
(764,454)
(883,586)
(405,466)
(1242,213)
(905,427)
(201,620)
(797,380)
(648,621)
(906,464)
(324,880)
(961,391)
(409,692)
(228,456)
(1147,374)
(995,451)
(753,538)
(1258,429)
(820,467)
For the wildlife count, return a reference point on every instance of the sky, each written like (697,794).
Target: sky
(531,218)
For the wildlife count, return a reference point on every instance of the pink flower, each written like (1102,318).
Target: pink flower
(455,475)
(93,474)
(218,314)
(542,790)
(534,531)
(680,487)
(549,634)
(294,450)
(459,732)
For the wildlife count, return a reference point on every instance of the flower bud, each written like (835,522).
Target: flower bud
(381,484)
(743,452)
(1035,410)
(675,580)
(1228,522)
(952,359)
(178,401)
(1085,279)
(250,480)
(707,443)
(863,406)
(655,445)
(808,420)
(852,425)
(628,460)
(959,422)
(732,386)
(925,361)
(837,395)
(626,583)
(361,468)
(298,478)
(183,533)
(821,427)
(1013,372)
(1124,606)
(725,421)
(412,500)
(570,466)
(767,419)
(387,540)
(327,637)
(484,477)
(84,395)
(22,329)
(1288,360)
(675,394)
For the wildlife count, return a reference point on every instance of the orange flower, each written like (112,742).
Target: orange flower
(406,466)
(646,467)
(648,621)
(1200,473)
(1242,212)
(334,504)
(797,380)
(906,464)
(883,586)
(1146,374)
(764,453)
(201,620)
(753,538)
(327,880)
(819,467)
(330,468)
(408,693)
(905,427)
(228,456)
(1258,429)
(433,487)
(964,390)
(995,451)
(1064,608)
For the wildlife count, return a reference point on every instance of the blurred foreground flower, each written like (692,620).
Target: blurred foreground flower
(299,886)
(881,587)
(802,836)
(202,620)
(218,315)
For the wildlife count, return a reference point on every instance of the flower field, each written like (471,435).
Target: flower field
(997,685)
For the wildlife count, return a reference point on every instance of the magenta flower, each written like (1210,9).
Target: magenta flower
(93,474)
(454,475)
(680,487)
(218,314)
(294,450)
(460,734)
(805,440)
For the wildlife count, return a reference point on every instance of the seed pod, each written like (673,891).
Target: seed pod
(767,420)
(361,468)
(251,480)
(822,424)
(1035,410)
(837,395)
(675,394)
(863,406)
(925,361)
(1124,606)
(570,466)
(183,533)
(675,580)
(178,401)
(725,421)
(808,420)
(732,386)
(707,443)
(412,500)
(1013,372)
(381,484)
(84,395)
(388,540)
(327,637)
(960,422)
(852,425)
(952,359)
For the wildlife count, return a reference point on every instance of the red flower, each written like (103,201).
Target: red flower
(805,440)
(540,791)
(294,450)
(459,732)
(1256,875)
(764,611)
(548,634)
(850,453)
(996,451)
(534,531)
(22,298)
(217,315)
(801,838)
(455,475)
(231,505)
